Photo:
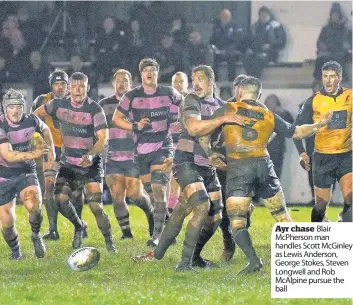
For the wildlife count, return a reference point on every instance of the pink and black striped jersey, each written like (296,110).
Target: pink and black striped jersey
(188,148)
(136,105)
(121,141)
(20,137)
(78,126)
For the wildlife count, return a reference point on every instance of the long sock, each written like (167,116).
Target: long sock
(172,229)
(52,212)
(243,240)
(193,230)
(102,219)
(208,229)
(347,213)
(148,189)
(69,212)
(317,215)
(145,205)
(11,237)
(226,231)
(35,220)
(78,205)
(122,215)
(159,215)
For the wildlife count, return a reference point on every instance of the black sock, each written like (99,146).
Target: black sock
(11,238)
(35,220)
(122,215)
(159,215)
(208,229)
(78,205)
(69,212)
(317,215)
(347,213)
(145,205)
(243,240)
(52,212)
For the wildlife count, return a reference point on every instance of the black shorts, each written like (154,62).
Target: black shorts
(76,179)
(125,168)
(11,188)
(188,173)
(252,176)
(145,161)
(327,168)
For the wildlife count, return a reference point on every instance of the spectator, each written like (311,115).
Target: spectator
(37,74)
(196,53)
(3,71)
(32,32)
(18,57)
(267,39)
(334,42)
(169,57)
(277,147)
(180,31)
(227,41)
(110,47)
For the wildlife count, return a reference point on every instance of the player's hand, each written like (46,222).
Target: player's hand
(49,164)
(217,161)
(40,150)
(305,161)
(232,117)
(143,122)
(87,161)
(167,165)
(325,119)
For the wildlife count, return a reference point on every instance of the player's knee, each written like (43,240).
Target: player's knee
(348,199)
(159,177)
(134,189)
(31,197)
(117,196)
(93,198)
(62,198)
(198,197)
(238,224)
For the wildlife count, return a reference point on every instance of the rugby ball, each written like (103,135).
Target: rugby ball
(83,259)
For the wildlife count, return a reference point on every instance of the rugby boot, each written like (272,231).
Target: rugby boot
(145,258)
(78,236)
(203,263)
(16,255)
(127,236)
(152,243)
(110,244)
(184,267)
(51,235)
(252,267)
(39,247)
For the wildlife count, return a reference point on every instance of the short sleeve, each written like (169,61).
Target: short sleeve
(40,125)
(51,107)
(283,128)
(99,119)
(124,106)
(192,107)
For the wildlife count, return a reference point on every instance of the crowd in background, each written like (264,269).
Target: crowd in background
(26,56)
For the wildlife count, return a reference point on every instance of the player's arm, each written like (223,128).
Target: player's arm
(305,116)
(308,130)
(46,110)
(197,127)
(122,111)
(10,156)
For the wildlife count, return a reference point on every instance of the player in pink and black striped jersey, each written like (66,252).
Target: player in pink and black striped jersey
(18,176)
(122,174)
(84,132)
(148,107)
(180,83)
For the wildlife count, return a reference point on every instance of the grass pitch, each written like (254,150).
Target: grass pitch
(118,280)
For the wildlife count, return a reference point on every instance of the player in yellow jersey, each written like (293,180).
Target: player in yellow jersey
(250,171)
(332,157)
(58,80)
